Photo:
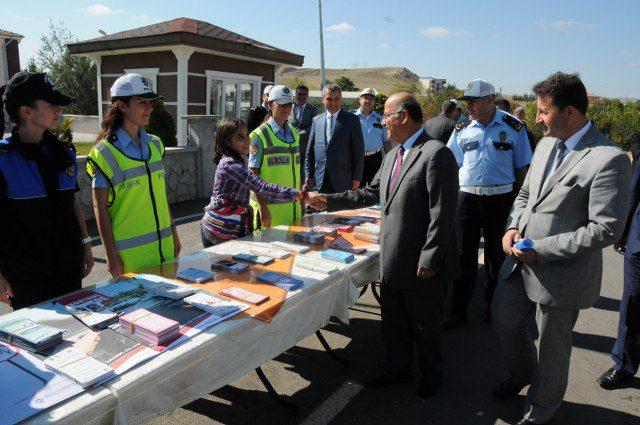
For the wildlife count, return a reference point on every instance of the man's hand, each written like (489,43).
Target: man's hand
(318,201)
(265,216)
(355,185)
(425,273)
(87,259)
(510,237)
(115,266)
(177,246)
(310,183)
(5,290)
(528,256)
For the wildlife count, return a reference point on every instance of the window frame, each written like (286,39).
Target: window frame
(235,79)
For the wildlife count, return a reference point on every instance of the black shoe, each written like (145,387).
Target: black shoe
(508,388)
(613,379)
(428,388)
(453,322)
(385,380)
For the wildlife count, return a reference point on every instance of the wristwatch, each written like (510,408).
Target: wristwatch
(86,240)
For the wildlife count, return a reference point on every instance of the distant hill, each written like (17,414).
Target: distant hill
(382,79)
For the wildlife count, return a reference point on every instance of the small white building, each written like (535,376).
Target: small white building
(9,55)
(433,84)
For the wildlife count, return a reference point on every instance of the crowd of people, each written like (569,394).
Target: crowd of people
(544,211)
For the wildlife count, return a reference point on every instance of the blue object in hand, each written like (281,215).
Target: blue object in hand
(524,244)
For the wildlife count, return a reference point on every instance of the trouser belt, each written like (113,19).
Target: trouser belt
(487,190)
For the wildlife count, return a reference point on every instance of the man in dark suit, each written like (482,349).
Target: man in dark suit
(256,116)
(626,351)
(441,126)
(634,145)
(417,187)
(335,151)
(301,118)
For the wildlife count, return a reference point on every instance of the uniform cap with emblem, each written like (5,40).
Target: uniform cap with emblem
(281,95)
(133,85)
(369,91)
(476,89)
(25,86)
(267,89)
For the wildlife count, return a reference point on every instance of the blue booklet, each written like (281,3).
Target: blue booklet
(280,280)
(229,266)
(196,275)
(255,259)
(335,255)
(524,244)
(309,237)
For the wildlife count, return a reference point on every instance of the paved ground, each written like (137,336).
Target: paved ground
(328,393)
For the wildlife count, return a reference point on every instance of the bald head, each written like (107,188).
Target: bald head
(407,102)
(402,116)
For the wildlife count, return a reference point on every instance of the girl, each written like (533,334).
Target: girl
(228,215)
(129,194)
(45,249)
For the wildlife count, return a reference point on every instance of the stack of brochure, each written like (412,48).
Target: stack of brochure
(340,243)
(218,307)
(368,232)
(78,367)
(244,295)
(91,308)
(309,237)
(229,266)
(325,230)
(195,276)
(339,256)
(285,282)
(315,265)
(291,247)
(31,336)
(149,327)
(253,259)
(270,252)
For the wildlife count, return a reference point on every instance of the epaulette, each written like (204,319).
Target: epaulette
(512,122)
(462,124)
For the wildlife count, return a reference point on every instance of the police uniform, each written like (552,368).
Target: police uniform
(487,157)
(373,134)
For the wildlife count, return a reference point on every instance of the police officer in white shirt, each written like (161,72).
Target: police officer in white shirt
(373,133)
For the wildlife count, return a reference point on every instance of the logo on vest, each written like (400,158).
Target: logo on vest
(128,185)
(278,160)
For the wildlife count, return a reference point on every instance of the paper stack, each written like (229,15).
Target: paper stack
(342,244)
(80,368)
(195,276)
(254,259)
(368,232)
(229,266)
(149,327)
(244,295)
(31,336)
(309,237)
(285,282)
(339,256)
(291,247)
(325,230)
(270,252)
(218,307)
(91,308)
(315,265)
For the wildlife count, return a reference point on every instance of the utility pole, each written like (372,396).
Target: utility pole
(322,70)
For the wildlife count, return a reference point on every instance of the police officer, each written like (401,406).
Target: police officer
(373,133)
(45,249)
(274,155)
(129,193)
(457,115)
(493,153)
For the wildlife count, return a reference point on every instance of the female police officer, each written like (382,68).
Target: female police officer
(129,194)
(45,250)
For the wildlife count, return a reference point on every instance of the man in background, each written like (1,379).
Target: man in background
(441,126)
(301,118)
(373,134)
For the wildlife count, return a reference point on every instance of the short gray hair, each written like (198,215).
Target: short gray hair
(331,88)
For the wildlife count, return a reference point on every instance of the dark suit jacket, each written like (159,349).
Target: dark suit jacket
(255,117)
(418,216)
(631,235)
(344,152)
(304,125)
(634,145)
(440,127)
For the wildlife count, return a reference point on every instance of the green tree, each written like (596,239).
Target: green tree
(381,98)
(295,82)
(345,84)
(161,124)
(73,75)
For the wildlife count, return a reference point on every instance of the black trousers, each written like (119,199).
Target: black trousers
(28,292)
(486,214)
(372,164)
(413,316)
(626,351)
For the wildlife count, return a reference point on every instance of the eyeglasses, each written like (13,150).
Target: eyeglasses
(387,116)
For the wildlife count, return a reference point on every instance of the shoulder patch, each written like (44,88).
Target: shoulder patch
(512,122)
(462,124)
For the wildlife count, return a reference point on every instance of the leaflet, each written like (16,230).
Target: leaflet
(79,367)
(91,308)
(218,307)
(291,247)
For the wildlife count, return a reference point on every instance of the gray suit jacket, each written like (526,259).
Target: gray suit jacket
(580,210)
(418,215)
(440,127)
(344,152)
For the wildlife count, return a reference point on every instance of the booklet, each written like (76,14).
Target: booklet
(335,255)
(219,307)
(229,266)
(309,237)
(244,295)
(80,368)
(270,252)
(91,308)
(254,259)
(325,230)
(342,244)
(149,326)
(280,280)
(315,265)
(31,336)
(196,276)
(291,247)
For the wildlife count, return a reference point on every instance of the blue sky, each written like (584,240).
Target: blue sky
(512,44)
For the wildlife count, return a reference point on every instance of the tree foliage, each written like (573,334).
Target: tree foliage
(73,75)
(345,84)
(161,124)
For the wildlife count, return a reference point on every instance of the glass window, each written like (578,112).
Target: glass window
(230,100)
(215,98)
(246,99)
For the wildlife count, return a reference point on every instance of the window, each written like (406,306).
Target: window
(151,74)
(232,95)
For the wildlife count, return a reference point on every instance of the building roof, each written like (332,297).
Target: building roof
(190,32)
(12,35)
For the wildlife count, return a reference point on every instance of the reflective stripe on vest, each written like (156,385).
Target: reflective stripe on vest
(281,166)
(139,212)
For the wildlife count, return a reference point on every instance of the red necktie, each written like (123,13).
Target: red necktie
(396,168)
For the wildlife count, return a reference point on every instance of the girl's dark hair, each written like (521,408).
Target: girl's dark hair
(228,128)
(12,106)
(113,118)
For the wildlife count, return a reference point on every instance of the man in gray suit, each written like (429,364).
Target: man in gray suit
(441,126)
(417,188)
(572,205)
(335,151)
(301,117)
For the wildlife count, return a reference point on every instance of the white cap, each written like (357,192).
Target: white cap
(370,91)
(281,95)
(133,85)
(478,88)
(458,103)
(267,89)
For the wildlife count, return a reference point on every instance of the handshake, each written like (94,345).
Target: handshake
(314,200)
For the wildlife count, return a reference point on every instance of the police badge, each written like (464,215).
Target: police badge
(503,136)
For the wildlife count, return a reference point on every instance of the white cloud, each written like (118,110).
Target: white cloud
(441,32)
(341,28)
(383,46)
(635,64)
(100,10)
(565,26)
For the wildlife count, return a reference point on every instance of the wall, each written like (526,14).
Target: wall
(181,174)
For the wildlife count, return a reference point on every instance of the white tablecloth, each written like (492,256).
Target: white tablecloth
(226,351)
